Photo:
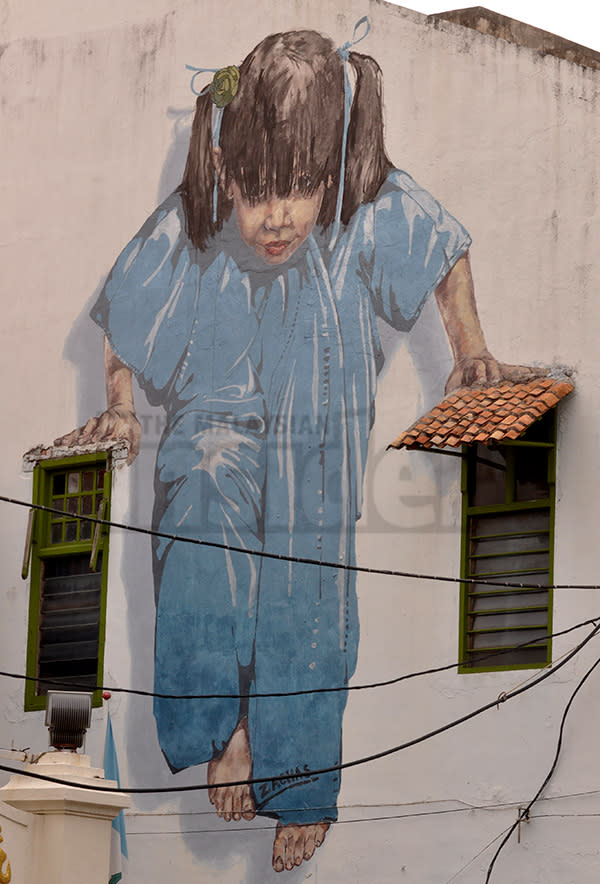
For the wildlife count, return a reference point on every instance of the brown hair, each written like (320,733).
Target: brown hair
(284,130)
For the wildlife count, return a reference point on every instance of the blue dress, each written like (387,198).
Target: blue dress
(268,378)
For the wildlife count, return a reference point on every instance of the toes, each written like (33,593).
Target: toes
(299,847)
(212,794)
(222,800)
(293,844)
(278,849)
(283,849)
(309,845)
(217,801)
(236,804)
(294,847)
(227,806)
(320,832)
(286,855)
(248,811)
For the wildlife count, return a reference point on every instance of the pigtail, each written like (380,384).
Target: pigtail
(197,185)
(367,163)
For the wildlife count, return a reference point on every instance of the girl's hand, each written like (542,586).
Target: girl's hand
(117,422)
(484,369)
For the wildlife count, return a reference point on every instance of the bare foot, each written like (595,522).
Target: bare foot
(234,763)
(294,843)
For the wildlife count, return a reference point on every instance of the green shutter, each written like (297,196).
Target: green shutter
(508,537)
(67,607)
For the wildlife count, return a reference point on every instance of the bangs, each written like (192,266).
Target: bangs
(269,166)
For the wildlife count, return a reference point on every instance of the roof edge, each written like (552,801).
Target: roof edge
(486,21)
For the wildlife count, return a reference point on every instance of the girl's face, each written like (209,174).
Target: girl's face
(276,227)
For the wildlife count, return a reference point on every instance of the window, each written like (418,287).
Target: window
(68,576)
(508,527)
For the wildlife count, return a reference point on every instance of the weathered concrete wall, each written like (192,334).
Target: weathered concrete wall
(95,120)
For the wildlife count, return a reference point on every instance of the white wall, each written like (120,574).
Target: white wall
(95,105)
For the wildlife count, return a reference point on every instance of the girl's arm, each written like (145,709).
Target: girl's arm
(473,363)
(119,421)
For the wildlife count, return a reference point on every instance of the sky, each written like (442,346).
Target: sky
(577,20)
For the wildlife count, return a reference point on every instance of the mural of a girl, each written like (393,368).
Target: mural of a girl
(251,319)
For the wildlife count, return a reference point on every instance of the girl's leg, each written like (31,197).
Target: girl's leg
(234,763)
(306,640)
(195,653)
(206,608)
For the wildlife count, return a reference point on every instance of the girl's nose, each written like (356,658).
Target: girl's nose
(278,214)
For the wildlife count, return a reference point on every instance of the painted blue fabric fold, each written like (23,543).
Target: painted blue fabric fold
(268,379)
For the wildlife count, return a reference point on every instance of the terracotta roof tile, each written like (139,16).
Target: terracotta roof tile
(562,388)
(485,414)
(550,400)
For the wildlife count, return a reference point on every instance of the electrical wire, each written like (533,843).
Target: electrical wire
(555,661)
(592,621)
(464,808)
(300,560)
(503,698)
(562,816)
(363,819)
(477,855)
(254,828)
(525,813)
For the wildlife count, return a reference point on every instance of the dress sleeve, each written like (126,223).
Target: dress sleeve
(147,305)
(411,243)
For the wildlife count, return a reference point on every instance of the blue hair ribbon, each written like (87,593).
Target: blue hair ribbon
(216,123)
(198,71)
(344,53)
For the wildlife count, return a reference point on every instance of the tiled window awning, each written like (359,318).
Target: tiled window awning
(484,414)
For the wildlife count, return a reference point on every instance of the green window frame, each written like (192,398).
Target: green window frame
(508,511)
(69,564)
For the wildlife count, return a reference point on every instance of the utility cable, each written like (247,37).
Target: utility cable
(49,682)
(464,808)
(366,819)
(335,767)
(473,858)
(523,815)
(557,660)
(300,560)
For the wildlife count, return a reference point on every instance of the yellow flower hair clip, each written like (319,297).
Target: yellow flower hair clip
(224,85)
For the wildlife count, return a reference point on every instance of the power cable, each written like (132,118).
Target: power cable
(359,687)
(522,815)
(300,560)
(477,855)
(548,816)
(503,698)
(464,808)
(366,819)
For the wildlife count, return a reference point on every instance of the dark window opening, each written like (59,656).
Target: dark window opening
(508,519)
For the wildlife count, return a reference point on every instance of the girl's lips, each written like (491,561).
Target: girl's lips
(276,247)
